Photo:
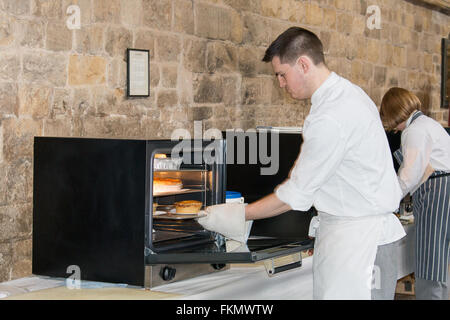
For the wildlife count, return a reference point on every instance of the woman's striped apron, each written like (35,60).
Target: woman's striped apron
(431,208)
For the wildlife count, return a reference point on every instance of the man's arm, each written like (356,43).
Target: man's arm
(267,207)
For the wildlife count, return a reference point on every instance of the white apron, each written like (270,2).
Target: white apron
(344,254)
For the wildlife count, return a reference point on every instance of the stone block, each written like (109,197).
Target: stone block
(256,90)
(9,100)
(34,101)
(118,39)
(59,37)
(200,113)
(244,5)
(22,7)
(184,85)
(183,17)
(89,40)
(344,23)
(293,11)
(214,22)
(271,8)
(20,185)
(133,108)
(22,262)
(343,5)
(3,181)
(5,250)
(194,55)
(231,90)
(428,63)
(158,14)
(145,40)
(237,28)
(32,33)
(392,77)
(356,71)
(380,76)
(7,30)
(314,14)
(9,66)
(131,12)
(367,72)
(83,103)
(106,101)
(154,75)
(86,70)
(47,9)
(16,222)
(119,127)
(88,126)
(18,135)
(166,98)
(329,18)
(208,89)
(255,30)
(412,59)
(45,68)
(169,75)
(373,50)
(112,127)
(221,57)
(335,47)
(248,60)
(168,48)
(61,104)
(418,23)
(351,50)
(151,129)
(106,11)
(278,94)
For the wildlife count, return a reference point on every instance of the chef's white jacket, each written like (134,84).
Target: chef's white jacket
(345,166)
(345,170)
(423,142)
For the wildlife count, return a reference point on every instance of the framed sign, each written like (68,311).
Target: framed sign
(138,73)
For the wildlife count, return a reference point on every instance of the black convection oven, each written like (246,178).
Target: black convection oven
(97,206)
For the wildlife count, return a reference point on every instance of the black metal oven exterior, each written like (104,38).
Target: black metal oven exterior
(92,209)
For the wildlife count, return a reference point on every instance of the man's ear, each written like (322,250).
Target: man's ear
(304,63)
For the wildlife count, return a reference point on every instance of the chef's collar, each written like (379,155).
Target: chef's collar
(329,82)
(408,122)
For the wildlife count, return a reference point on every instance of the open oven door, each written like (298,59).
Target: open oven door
(260,245)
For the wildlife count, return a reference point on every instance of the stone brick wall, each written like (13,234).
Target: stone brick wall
(205,65)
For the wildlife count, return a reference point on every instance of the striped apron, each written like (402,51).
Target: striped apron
(431,209)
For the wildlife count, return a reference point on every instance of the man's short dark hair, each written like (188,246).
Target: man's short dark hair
(293,43)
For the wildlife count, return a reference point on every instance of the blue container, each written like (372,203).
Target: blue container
(233,195)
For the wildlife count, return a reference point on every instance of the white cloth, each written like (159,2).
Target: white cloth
(423,142)
(313,226)
(344,269)
(228,219)
(345,166)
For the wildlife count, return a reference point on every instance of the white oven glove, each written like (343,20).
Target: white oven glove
(228,219)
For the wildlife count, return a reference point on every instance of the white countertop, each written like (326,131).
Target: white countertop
(239,282)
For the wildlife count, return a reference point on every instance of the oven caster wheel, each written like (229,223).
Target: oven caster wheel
(218,266)
(167,273)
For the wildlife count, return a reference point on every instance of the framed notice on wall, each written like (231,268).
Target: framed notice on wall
(138,73)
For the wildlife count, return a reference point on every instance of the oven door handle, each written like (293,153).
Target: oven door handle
(274,266)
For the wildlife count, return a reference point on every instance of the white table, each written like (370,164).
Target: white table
(240,282)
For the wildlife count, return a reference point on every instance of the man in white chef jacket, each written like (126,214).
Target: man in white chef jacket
(345,170)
